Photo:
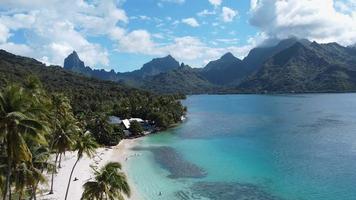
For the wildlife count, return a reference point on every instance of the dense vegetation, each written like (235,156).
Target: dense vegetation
(306,67)
(91,97)
(36,128)
(46,111)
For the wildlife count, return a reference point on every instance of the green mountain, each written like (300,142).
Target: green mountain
(304,67)
(181,80)
(257,56)
(292,65)
(224,71)
(156,66)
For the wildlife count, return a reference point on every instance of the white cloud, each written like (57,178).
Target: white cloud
(205,12)
(228,14)
(227,40)
(215,2)
(174,1)
(191,22)
(4,33)
(55,28)
(138,41)
(319,20)
(19,49)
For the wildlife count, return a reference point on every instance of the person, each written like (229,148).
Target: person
(160,194)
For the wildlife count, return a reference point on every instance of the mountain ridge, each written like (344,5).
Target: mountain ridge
(292,65)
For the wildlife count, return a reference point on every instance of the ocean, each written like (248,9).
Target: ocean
(253,147)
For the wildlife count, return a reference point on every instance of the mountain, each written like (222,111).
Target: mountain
(157,66)
(305,67)
(291,65)
(180,80)
(257,56)
(225,70)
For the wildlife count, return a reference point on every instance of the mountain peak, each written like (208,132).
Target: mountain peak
(73,61)
(228,55)
(159,65)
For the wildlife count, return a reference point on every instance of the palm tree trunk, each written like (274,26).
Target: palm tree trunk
(8,181)
(70,177)
(60,160)
(54,170)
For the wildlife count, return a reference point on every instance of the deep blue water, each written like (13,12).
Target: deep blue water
(292,147)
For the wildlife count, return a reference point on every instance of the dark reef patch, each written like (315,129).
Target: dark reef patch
(229,191)
(174,162)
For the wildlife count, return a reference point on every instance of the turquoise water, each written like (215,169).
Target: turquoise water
(232,147)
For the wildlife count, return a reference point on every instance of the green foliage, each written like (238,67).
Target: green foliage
(104,132)
(37,120)
(135,128)
(89,97)
(109,183)
(21,128)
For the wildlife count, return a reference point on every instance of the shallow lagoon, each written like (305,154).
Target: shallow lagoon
(232,147)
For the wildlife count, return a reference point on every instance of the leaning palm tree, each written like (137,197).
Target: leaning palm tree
(18,124)
(109,183)
(85,145)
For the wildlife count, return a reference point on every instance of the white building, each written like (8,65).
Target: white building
(127,122)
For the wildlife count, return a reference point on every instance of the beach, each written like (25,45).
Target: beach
(83,171)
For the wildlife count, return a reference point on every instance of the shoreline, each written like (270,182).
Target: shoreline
(83,172)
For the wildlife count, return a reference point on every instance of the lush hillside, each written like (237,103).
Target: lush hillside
(182,80)
(156,66)
(306,68)
(89,95)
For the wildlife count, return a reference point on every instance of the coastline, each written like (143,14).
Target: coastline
(83,172)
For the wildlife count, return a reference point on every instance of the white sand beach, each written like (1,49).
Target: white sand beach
(83,171)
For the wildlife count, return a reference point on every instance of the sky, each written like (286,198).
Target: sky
(124,34)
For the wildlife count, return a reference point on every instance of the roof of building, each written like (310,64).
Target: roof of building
(126,123)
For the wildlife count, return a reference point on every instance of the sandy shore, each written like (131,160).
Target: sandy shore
(83,171)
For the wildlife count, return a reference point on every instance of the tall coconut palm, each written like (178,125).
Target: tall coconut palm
(109,183)
(40,155)
(17,123)
(63,141)
(64,129)
(84,145)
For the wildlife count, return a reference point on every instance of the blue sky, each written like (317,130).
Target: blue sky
(124,34)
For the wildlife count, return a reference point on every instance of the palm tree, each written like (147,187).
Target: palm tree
(63,141)
(40,156)
(18,123)
(64,129)
(85,145)
(108,184)
(26,176)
